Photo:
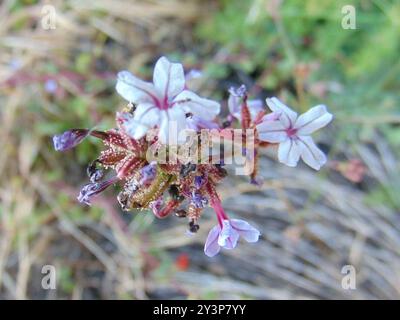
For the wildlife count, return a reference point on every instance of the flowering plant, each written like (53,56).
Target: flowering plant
(169,149)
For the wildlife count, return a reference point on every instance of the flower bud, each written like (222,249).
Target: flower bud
(92,189)
(69,139)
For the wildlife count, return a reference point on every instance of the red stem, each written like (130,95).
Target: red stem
(216,203)
(246,117)
(167,210)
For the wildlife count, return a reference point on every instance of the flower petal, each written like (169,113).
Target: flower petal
(204,108)
(146,116)
(136,129)
(245,230)
(310,153)
(271,131)
(255,107)
(273,116)
(197,123)
(234,105)
(135,90)
(288,116)
(289,152)
(312,120)
(228,236)
(173,123)
(211,247)
(168,78)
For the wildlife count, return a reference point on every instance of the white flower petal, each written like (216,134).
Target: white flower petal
(163,131)
(135,129)
(204,108)
(289,152)
(135,90)
(228,236)
(288,116)
(310,153)
(147,114)
(197,123)
(146,117)
(168,78)
(234,106)
(312,120)
(273,116)
(245,230)
(211,247)
(173,122)
(271,131)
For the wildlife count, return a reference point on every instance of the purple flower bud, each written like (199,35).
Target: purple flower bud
(69,139)
(199,200)
(199,181)
(148,173)
(193,227)
(91,189)
(238,92)
(235,101)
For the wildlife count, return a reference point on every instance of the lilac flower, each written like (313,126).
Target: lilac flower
(69,139)
(235,101)
(92,189)
(163,101)
(228,234)
(292,132)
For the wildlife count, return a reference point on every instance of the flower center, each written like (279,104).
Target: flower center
(291,132)
(165,104)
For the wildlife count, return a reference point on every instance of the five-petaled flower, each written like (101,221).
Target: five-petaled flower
(226,234)
(292,132)
(164,103)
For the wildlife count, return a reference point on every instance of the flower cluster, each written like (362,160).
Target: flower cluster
(179,185)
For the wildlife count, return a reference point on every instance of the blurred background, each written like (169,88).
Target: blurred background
(59,76)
